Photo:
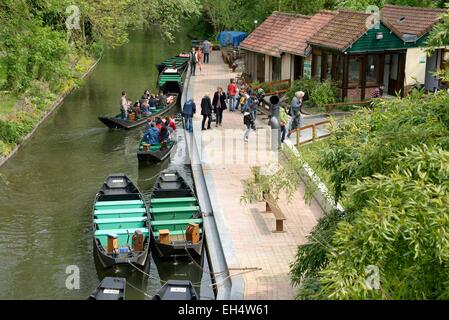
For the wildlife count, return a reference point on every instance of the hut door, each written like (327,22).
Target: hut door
(396,78)
(297,67)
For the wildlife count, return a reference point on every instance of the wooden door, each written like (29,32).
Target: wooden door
(397,73)
(298,67)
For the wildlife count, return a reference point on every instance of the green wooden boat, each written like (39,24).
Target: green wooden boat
(118,123)
(170,81)
(173,206)
(155,153)
(120,213)
(181,60)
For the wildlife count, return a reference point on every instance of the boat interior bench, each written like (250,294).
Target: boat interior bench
(171,222)
(175,209)
(173,200)
(112,211)
(124,235)
(118,203)
(120,223)
(272,207)
(175,232)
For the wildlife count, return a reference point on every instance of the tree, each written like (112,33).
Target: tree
(439,37)
(402,231)
(389,168)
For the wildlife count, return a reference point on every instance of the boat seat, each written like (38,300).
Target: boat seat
(118,220)
(174,233)
(120,211)
(172,222)
(123,238)
(118,203)
(172,200)
(175,209)
(120,231)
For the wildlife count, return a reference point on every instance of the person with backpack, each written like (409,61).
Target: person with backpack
(193,61)
(188,111)
(206,50)
(252,105)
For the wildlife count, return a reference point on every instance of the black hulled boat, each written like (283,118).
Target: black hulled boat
(110,288)
(176,290)
(176,219)
(120,223)
(118,123)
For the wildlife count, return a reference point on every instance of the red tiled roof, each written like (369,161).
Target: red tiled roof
(296,43)
(416,21)
(342,31)
(276,33)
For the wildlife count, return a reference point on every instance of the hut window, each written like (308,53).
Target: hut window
(328,71)
(277,65)
(354,70)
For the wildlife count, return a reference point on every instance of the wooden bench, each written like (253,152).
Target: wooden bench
(272,207)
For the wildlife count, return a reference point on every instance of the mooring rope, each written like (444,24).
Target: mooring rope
(141,291)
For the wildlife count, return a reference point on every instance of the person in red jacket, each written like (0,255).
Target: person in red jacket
(232,95)
(171,123)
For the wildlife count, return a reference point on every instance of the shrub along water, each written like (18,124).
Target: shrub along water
(40,59)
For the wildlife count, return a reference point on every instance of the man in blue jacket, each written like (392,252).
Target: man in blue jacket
(188,111)
(152,135)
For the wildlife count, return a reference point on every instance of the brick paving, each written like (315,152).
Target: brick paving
(249,229)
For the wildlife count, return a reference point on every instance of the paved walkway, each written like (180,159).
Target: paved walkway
(226,161)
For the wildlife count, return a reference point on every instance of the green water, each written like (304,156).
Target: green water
(47,189)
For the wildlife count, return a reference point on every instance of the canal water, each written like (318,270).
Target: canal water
(47,189)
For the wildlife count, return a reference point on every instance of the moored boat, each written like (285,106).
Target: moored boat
(170,81)
(118,123)
(120,223)
(176,290)
(155,152)
(176,219)
(181,60)
(110,288)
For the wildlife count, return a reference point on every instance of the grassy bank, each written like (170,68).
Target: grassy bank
(312,154)
(20,113)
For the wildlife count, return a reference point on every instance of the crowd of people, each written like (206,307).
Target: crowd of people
(144,107)
(244,98)
(159,130)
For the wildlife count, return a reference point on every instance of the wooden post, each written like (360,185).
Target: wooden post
(313,132)
(297,136)
(279,225)
(267,207)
